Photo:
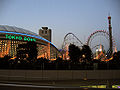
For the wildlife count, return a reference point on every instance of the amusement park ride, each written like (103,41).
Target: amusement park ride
(101,43)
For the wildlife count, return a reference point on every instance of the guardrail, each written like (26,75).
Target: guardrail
(58,74)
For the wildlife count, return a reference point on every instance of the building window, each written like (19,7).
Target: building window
(45,32)
(42,32)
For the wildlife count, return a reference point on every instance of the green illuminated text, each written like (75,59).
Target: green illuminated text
(14,37)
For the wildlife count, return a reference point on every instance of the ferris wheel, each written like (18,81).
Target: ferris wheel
(99,41)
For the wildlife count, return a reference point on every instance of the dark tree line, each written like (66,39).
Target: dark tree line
(115,62)
(27,51)
(80,59)
(76,54)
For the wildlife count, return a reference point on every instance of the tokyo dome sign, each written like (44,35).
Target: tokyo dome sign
(15,37)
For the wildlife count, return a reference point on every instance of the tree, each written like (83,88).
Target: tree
(116,56)
(74,53)
(86,53)
(5,61)
(32,50)
(27,51)
(115,63)
(21,51)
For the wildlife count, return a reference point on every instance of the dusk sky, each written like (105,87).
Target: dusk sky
(81,17)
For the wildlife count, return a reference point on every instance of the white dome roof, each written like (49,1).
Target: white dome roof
(16,29)
(23,31)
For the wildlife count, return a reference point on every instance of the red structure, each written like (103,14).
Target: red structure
(110,36)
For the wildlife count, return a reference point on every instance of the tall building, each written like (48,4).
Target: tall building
(46,33)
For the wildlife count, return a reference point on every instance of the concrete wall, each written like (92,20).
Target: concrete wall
(58,74)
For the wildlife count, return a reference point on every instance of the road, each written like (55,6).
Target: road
(16,86)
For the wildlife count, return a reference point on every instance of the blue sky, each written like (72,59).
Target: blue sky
(81,17)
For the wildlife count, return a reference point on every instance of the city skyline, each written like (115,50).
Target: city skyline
(81,17)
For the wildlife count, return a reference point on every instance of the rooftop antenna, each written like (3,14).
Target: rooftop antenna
(109,14)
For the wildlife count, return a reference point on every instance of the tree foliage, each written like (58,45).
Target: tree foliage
(30,49)
(74,53)
(86,51)
(116,56)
